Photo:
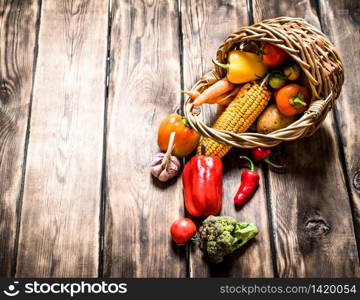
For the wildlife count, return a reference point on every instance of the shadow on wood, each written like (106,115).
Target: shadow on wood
(225,268)
(164,185)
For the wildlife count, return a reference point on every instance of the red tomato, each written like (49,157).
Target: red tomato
(272,55)
(182,230)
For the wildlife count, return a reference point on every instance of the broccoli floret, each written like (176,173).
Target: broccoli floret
(221,235)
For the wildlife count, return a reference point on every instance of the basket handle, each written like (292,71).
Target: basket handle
(318,106)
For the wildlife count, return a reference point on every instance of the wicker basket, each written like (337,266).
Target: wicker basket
(316,56)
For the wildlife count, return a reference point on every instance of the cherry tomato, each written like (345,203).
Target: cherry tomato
(292,99)
(272,55)
(186,139)
(182,230)
(277,80)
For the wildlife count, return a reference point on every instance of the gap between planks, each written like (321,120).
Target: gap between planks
(103,188)
(181,111)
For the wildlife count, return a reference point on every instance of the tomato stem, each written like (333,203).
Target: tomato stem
(186,122)
(297,101)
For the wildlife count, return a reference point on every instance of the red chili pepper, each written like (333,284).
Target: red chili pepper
(263,154)
(202,180)
(249,183)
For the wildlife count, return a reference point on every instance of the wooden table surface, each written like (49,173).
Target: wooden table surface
(83,87)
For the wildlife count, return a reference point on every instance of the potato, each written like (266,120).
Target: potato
(271,119)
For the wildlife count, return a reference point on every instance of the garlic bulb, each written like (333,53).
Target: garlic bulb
(164,171)
(164,165)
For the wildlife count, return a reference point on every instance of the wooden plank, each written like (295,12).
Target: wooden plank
(205,26)
(340,20)
(17,44)
(314,235)
(60,215)
(144,78)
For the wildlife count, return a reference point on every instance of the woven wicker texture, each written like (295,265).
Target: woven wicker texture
(316,56)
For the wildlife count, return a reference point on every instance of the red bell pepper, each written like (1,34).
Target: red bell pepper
(202,180)
(249,183)
(263,154)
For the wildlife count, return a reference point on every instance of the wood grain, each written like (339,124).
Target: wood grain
(314,234)
(144,80)
(205,25)
(17,44)
(341,21)
(60,213)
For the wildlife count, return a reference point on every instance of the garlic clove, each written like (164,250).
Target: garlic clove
(156,170)
(157,159)
(164,170)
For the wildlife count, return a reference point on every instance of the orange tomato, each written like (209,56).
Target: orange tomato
(292,99)
(186,138)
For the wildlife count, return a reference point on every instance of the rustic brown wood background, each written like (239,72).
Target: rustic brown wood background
(83,87)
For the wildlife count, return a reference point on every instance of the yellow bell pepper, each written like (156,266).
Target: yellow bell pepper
(243,66)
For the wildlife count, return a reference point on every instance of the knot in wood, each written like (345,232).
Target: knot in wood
(5,93)
(317,227)
(356,181)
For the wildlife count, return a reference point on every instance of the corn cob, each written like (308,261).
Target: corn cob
(238,116)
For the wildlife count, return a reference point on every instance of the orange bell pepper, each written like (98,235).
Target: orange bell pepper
(186,138)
